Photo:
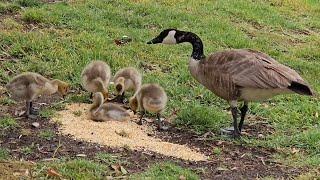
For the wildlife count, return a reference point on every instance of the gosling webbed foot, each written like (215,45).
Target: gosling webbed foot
(140,122)
(34,111)
(32,116)
(162,127)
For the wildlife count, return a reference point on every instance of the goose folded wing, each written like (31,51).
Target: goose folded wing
(263,73)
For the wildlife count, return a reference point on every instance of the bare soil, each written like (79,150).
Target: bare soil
(233,161)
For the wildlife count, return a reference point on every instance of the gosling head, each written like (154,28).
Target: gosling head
(120,86)
(63,88)
(105,94)
(133,103)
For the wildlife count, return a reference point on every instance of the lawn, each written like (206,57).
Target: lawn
(58,39)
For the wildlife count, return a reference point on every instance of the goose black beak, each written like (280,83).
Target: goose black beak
(154,41)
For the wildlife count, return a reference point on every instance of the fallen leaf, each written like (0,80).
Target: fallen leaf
(294,150)
(116,168)
(182,177)
(123,170)
(234,168)
(81,155)
(219,143)
(316,114)
(52,172)
(35,124)
(222,169)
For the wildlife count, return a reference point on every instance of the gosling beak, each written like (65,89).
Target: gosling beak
(154,41)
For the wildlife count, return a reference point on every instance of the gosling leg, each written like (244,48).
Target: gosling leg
(140,121)
(33,110)
(29,112)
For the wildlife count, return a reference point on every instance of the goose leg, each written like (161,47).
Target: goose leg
(91,95)
(243,111)
(236,132)
(140,121)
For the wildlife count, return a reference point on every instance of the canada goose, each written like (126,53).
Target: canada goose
(108,111)
(151,98)
(95,77)
(127,79)
(28,86)
(237,75)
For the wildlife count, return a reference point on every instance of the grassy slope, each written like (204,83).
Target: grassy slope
(69,35)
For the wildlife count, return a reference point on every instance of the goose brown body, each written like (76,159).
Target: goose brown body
(245,75)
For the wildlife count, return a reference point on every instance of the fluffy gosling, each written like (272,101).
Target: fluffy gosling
(127,79)
(28,86)
(151,98)
(95,77)
(108,111)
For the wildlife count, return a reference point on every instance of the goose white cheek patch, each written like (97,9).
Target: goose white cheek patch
(170,39)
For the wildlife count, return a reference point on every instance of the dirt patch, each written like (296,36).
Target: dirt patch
(15,170)
(119,134)
(227,159)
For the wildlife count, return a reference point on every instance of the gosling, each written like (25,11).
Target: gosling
(108,111)
(28,86)
(127,79)
(151,98)
(95,77)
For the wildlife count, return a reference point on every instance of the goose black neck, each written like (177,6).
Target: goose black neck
(197,45)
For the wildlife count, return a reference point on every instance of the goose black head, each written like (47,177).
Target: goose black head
(167,36)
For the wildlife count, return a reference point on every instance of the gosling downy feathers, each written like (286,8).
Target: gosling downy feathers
(127,79)
(237,75)
(108,111)
(95,77)
(28,86)
(151,98)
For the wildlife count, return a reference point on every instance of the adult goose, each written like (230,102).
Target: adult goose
(237,75)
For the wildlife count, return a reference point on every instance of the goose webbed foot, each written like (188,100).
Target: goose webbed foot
(230,132)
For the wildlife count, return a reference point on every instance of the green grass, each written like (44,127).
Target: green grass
(74,169)
(6,101)
(105,158)
(46,134)
(26,150)
(47,112)
(4,154)
(8,123)
(71,34)
(166,171)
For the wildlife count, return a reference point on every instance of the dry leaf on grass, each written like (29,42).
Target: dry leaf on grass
(119,170)
(53,173)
